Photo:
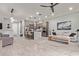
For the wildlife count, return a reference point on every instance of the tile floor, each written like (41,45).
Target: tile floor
(39,47)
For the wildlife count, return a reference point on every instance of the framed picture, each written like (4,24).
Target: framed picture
(65,25)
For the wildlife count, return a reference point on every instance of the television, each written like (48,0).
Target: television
(0,25)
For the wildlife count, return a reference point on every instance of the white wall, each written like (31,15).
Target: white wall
(18,28)
(15,26)
(74,18)
(4,22)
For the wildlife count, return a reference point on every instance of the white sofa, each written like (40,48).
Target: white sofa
(59,37)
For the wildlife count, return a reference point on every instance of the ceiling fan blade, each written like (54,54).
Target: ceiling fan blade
(52,8)
(55,4)
(44,6)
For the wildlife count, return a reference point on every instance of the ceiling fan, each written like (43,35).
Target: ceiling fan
(12,10)
(51,6)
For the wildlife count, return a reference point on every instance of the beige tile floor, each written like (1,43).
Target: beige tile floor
(39,47)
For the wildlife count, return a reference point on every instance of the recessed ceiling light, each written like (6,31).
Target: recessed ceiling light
(37,13)
(70,8)
(52,14)
(45,16)
(31,16)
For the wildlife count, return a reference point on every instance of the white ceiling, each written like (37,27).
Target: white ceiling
(25,10)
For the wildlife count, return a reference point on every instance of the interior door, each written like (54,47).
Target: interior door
(16,29)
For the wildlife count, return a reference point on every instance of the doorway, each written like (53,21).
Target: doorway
(16,28)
